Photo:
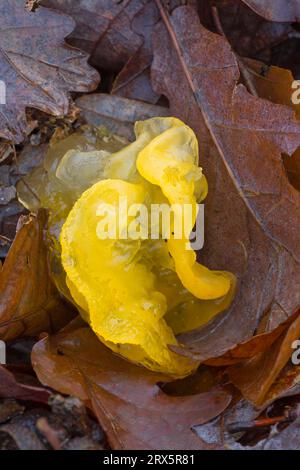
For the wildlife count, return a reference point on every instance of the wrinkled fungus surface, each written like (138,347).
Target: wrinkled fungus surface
(137,293)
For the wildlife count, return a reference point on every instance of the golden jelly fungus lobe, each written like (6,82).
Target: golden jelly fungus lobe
(137,293)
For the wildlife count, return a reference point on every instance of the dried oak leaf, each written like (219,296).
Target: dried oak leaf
(103,29)
(134,81)
(38,69)
(276,10)
(252,212)
(249,34)
(131,408)
(29,302)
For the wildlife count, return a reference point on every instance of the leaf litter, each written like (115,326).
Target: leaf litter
(153,56)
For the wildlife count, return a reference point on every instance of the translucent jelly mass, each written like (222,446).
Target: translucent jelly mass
(136,294)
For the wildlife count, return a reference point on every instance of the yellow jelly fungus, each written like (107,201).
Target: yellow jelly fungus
(137,293)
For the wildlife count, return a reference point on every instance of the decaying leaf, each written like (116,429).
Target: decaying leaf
(116,113)
(216,433)
(279,86)
(29,303)
(286,384)
(37,68)
(276,10)
(134,79)
(287,439)
(274,84)
(11,388)
(249,34)
(249,151)
(131,408)
(11,209)
(103,28)
(255,376)
(253,346)
(252,212)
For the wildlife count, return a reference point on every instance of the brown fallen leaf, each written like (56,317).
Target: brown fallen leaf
(29,302)
(276,10)
(9,216)
(131,408)
(103,29)
(37,68)
(273,83)
(249,34)
(287,384)
(278,85)
(29,157)
(252,212)
(116,113)
(133,81)
(215,432)
(255,377)
(252,347)
(11,388)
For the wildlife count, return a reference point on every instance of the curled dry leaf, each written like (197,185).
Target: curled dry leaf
(252,212)
(251,347)
(278,85)
(255,376)
(38,69)
(276,10)
(11,388)
(29,303)
(131,408)
(286,384)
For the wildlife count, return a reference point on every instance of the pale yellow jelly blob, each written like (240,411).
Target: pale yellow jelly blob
(117,287)
(138,293)
(71,166)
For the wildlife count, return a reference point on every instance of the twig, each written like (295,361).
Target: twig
(240,426)
(287,417)
(49,433)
